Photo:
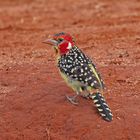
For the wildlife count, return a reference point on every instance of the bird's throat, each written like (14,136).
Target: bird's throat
(55,49)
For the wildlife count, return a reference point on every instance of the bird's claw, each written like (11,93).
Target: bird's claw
(72,100)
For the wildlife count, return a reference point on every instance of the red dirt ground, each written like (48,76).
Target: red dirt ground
(32,93)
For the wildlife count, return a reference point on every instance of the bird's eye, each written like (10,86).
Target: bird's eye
(60,39)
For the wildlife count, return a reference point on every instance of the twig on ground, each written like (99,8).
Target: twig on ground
(48,134)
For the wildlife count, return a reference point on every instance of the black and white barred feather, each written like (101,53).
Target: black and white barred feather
(102,106)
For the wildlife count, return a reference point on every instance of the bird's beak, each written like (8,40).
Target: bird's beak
(51,42)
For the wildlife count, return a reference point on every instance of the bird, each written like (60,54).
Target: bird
(79,72)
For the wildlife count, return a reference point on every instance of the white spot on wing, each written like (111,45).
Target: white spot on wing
(92,84)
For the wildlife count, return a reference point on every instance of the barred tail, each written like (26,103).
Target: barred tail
(102,106)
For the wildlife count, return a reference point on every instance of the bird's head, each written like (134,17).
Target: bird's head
(62,42)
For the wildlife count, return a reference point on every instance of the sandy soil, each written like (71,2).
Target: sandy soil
(32,93)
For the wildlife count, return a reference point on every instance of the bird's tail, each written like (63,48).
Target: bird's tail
(102,106)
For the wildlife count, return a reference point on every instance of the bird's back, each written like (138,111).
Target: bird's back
(77,66)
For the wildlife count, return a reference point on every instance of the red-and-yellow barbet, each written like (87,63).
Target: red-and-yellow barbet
(79,72)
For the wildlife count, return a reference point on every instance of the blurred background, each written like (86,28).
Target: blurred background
(32,94)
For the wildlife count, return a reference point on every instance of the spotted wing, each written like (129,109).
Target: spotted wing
(87,75)
(88,61)
(79,67)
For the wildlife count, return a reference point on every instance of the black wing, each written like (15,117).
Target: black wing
(80,68)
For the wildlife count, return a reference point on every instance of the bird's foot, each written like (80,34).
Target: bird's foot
(72,99)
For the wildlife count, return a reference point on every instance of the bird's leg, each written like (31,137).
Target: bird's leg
(73,99)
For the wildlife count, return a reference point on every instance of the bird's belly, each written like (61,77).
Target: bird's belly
(75,85)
